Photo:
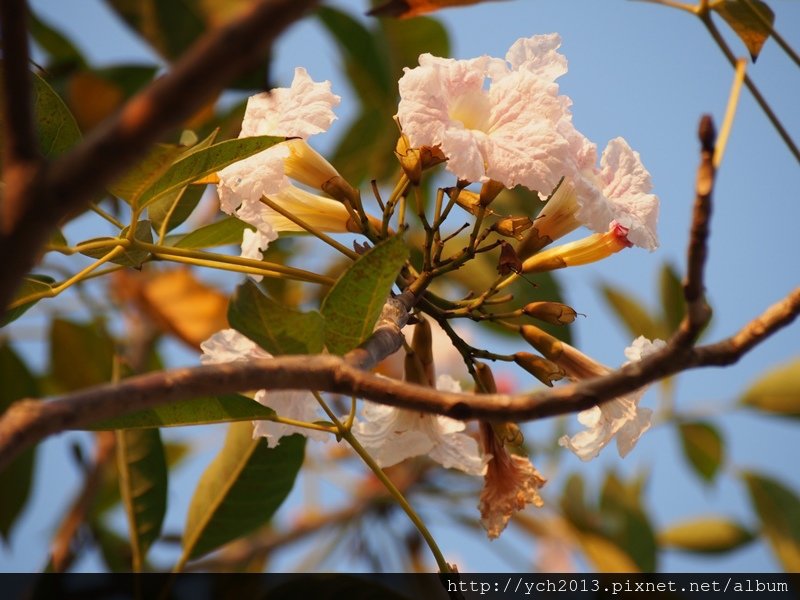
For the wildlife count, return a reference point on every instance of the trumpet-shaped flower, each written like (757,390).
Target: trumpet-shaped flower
(620,418)
(229,345)
(302,110)
(519,130)
(510,132)
(392,435)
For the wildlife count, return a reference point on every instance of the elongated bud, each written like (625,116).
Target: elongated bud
(554,313)
(422,344)
(490,191)
(486,384)
(544,370)
(513,226)
(469,201)
(545,343)
(509,261)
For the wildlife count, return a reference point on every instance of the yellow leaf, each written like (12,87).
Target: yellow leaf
(178,303)
(606,556)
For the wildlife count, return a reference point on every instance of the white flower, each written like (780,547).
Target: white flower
(229,345)
(392,435)
(510,132)
(304,109)
(621,417)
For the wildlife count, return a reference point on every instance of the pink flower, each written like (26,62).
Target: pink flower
(304,109)
(510,132)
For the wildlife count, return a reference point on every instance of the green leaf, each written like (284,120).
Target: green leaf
(366,149)
(275,328)
(59,48)
(365,60)
(199,163)
(623,520)
(132,257)
(635,317)
(354,303)
(672,302)
(15,479)
(55,126)
(605,555)
(81,355)
(227,230)
(241,489)
(174,208)
(703,447)
(407,39)
(752,21)
(198,411)
(706,535)
(776,392)
(142,176)
(32,284)
(143,486)
(778,507)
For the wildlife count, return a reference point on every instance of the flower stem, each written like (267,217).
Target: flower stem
(730,112)
(79,276)
(348,436)
(107,216)
(232,263)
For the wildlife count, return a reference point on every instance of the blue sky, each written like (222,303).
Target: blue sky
(639,71)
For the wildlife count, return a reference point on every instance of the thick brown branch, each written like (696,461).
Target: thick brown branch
(19,137)
(27,422)
(115,145)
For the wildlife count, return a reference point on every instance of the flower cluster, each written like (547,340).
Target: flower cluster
(499,122)
(519,131)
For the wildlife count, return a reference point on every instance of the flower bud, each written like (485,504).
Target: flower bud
(306,165)
(544,370)
(513,226)
(486,384)
(545,343)
(554,313)
(337,187)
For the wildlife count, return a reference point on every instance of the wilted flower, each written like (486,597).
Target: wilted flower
(392,435)
(510,484)
(229,345)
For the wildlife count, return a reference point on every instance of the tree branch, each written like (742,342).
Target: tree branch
(68,184)
(29,421)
